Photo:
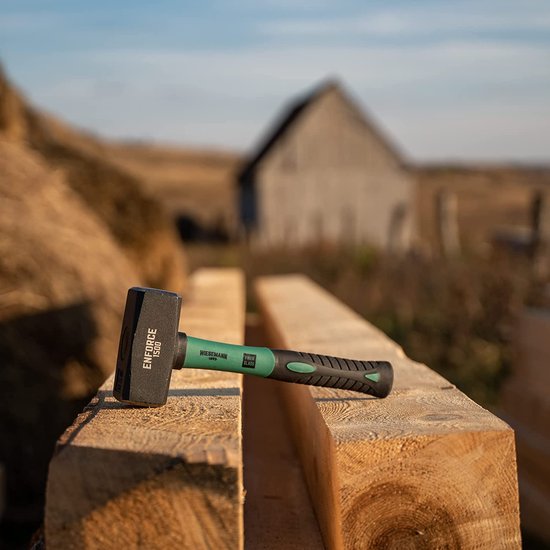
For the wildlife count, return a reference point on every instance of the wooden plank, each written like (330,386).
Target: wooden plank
(533,349)
(167,477)
(426,467)
(533,450)
(277,512)
(535,508)
(2,489)
(525,402)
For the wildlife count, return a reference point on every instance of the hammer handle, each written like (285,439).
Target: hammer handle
(372,377)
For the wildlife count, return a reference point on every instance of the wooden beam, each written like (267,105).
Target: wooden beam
(2,489)
(167,477)
(425,467)
(533,349)
(525,402)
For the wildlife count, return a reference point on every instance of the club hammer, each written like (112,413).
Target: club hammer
(151,346)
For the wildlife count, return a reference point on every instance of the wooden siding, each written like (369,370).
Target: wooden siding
(330,178)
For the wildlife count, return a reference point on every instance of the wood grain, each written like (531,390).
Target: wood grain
(168,477)
(424,468)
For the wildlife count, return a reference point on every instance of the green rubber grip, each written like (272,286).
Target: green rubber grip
(206,354)
(372,377)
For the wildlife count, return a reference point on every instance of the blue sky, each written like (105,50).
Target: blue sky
(455,80)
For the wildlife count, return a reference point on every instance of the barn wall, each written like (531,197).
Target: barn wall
(330,180)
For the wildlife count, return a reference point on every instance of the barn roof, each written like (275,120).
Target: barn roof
(293,112)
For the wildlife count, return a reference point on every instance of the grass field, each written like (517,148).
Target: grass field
(457,317)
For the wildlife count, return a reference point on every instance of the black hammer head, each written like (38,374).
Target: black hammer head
(148,346)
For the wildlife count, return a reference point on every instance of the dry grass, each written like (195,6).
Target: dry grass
(136,218)
(488,198)
(173,167)
(456,317)
(63,279)
(75,232)
(197,183)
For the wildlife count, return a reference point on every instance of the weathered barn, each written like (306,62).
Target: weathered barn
(326,174)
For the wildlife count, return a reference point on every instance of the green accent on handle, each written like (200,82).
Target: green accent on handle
(302,368)
(374,376)
(204,354)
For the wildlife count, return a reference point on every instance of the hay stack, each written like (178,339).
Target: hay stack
(75,233)
(13,111)
(63,280)
(134,217)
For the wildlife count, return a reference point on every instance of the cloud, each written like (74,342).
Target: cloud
(285,5)
(274,71)
(461,99)
(413,20)
(452,94)
(24,22)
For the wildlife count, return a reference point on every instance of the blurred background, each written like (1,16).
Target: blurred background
(396,152)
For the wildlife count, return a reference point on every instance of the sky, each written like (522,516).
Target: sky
(454,80)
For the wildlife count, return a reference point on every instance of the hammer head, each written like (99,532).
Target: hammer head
(148,346)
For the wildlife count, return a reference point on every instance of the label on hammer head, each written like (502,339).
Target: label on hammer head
(152,348)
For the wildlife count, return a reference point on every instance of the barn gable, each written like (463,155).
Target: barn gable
(326,172)
(296,110)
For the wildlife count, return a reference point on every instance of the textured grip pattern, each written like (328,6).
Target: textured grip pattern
(335,372)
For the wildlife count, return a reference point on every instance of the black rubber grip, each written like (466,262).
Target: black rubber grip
(372,377)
